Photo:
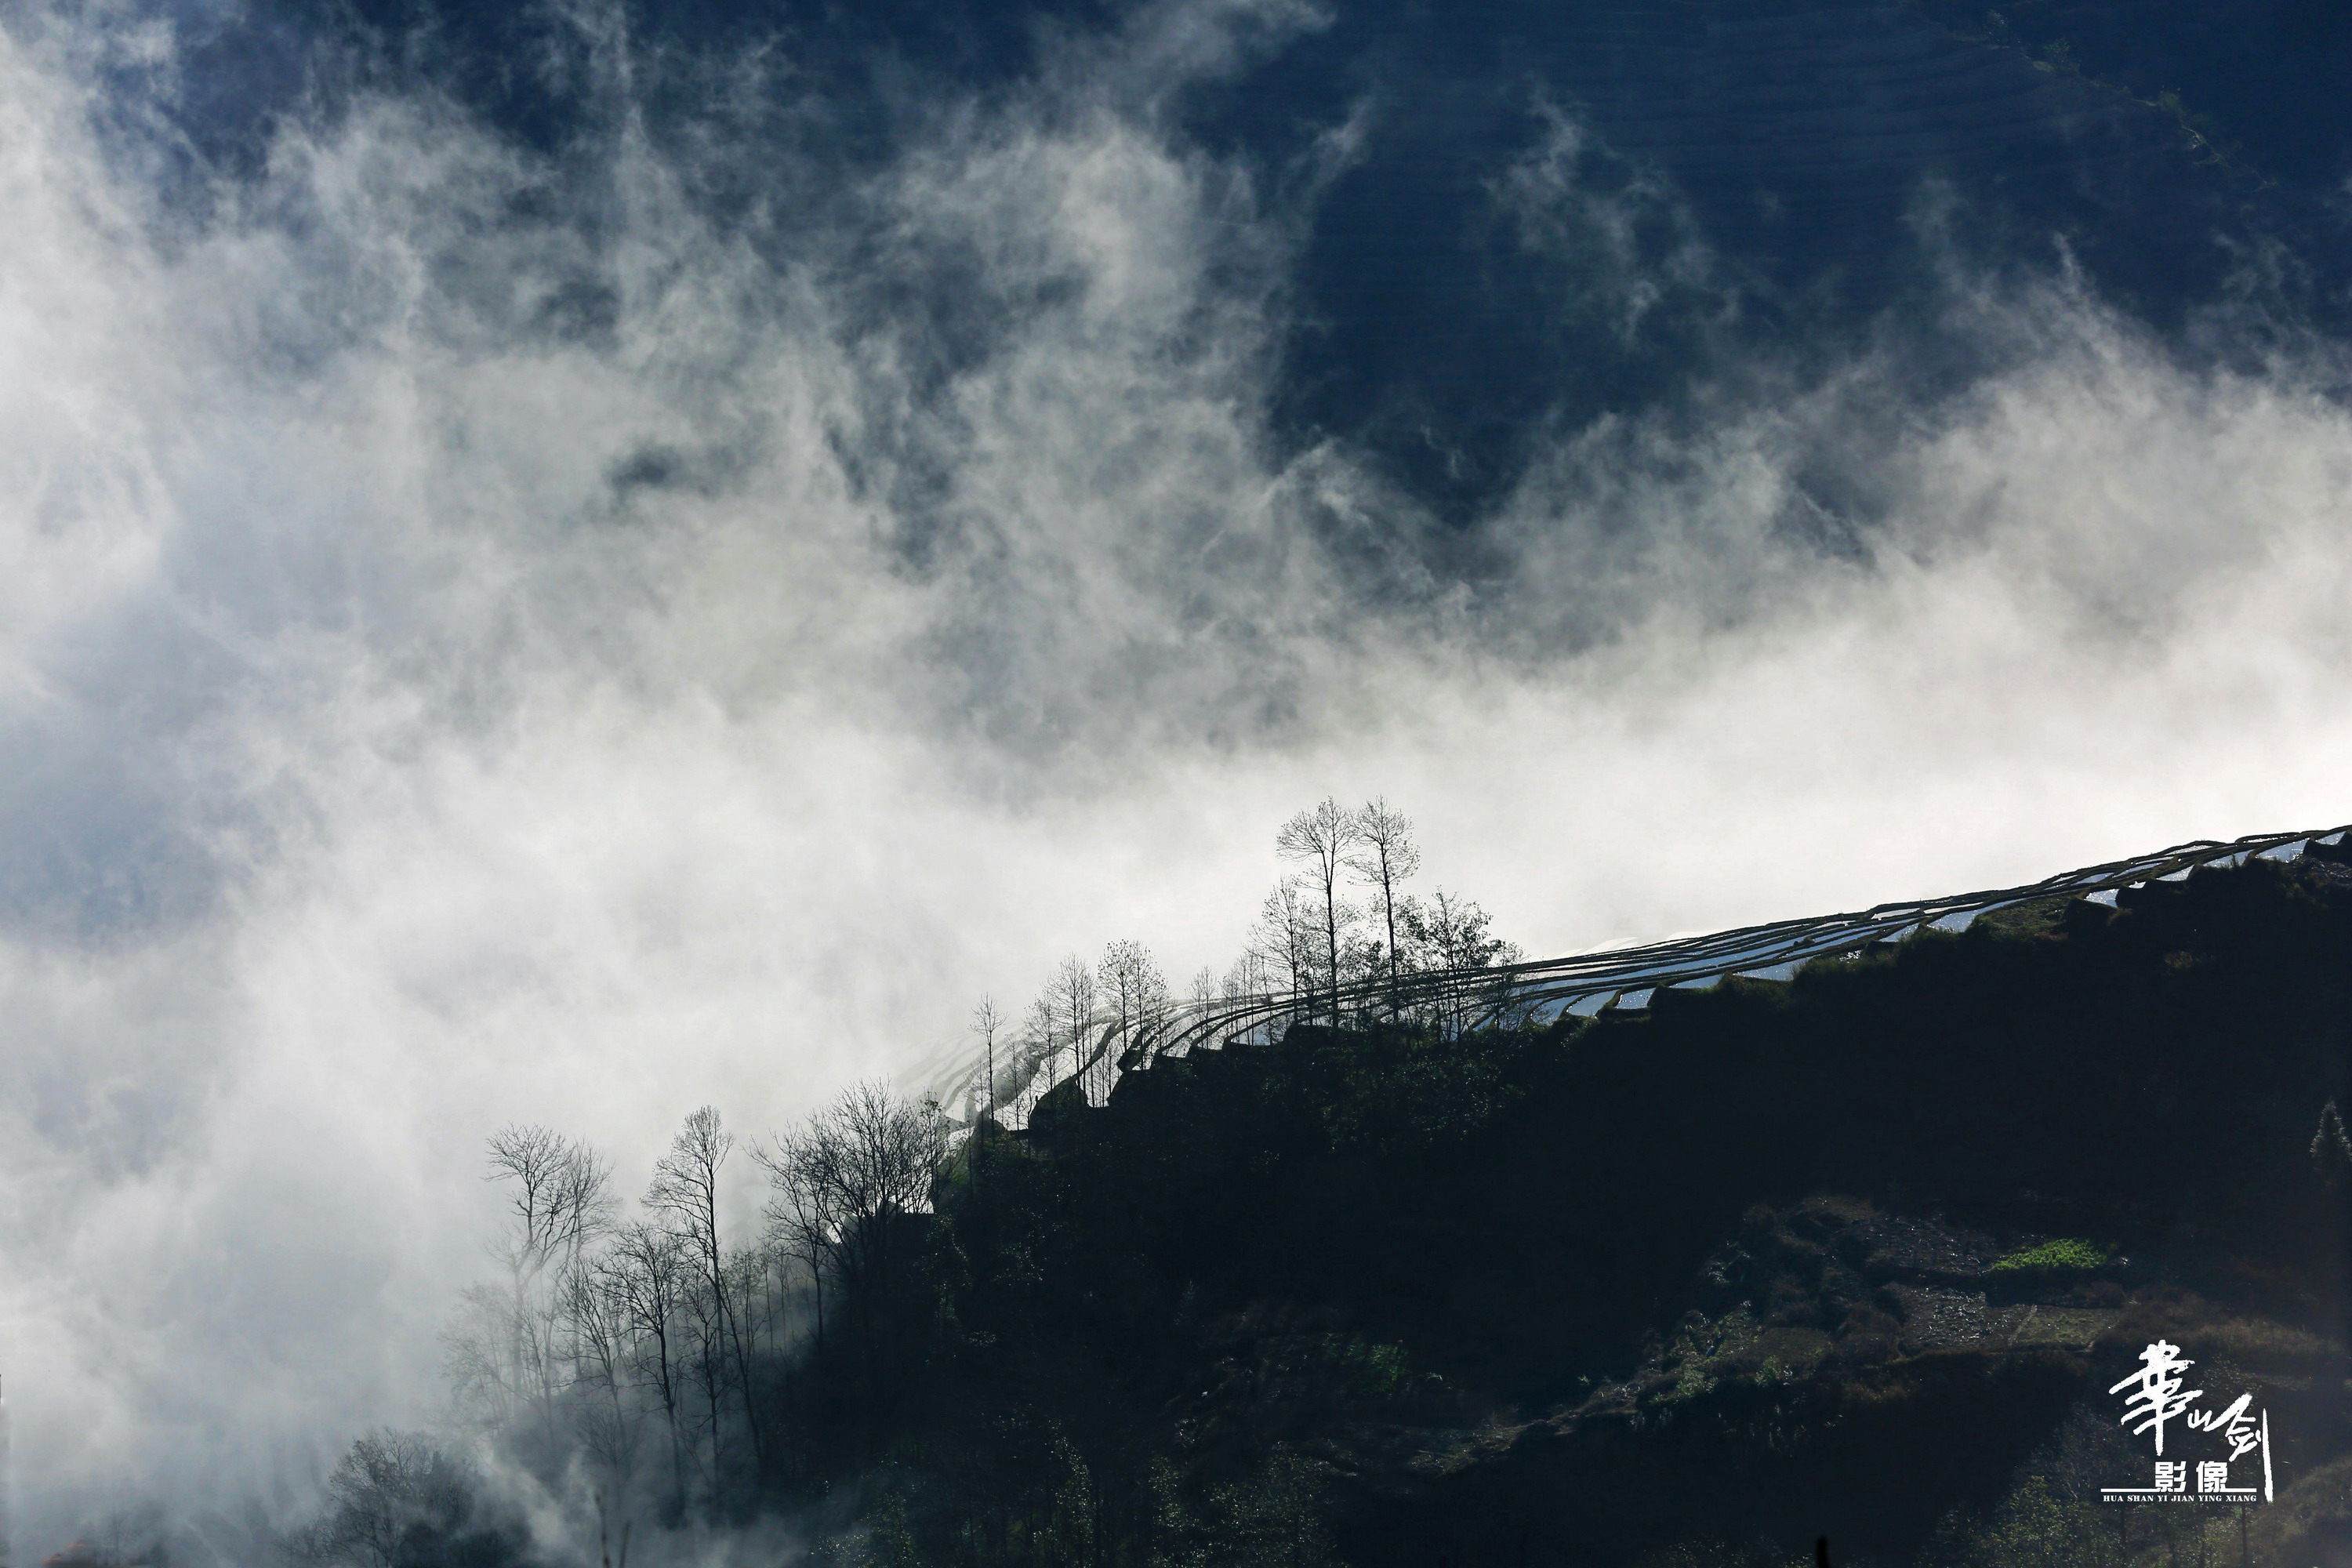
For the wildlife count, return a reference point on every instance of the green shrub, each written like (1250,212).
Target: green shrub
(2068,1252)
(1693,1382)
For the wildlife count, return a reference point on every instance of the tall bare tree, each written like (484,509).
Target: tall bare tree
(1283,939)
(802,1218)
(1387,856)
(1453,935)
(1071,998)
(1249,977)
(598,1325)
(988,1022)
(557,1204)
(1133,992)
(649,1275)
(684,1189)
(1321,839)
(884,1153)
(847,1183)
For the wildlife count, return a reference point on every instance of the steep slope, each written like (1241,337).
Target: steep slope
(1715,1277)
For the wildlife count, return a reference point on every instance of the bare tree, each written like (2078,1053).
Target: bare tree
(1071,999)
(1041,1033)
(751,1273)
(801,1219)
(392,1493)
(480,1354)
(557,1204)
(1321,839)
(649,1274)
(1252,979)
(1387,858)
(1283,939)
(708,1369)
(1133,991)
(598,1323)
(1451,934)
(987,1021)
(131,1537)
(685,1188)
(881,1155)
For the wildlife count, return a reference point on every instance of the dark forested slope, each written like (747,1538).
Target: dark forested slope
(1713,1278)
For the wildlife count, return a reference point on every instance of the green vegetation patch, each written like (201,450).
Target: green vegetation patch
(2035,917)
(2068,1252)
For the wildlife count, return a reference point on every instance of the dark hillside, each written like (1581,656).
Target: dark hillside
(1719,1272)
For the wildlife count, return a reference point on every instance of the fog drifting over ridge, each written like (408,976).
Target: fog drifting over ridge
(496,635)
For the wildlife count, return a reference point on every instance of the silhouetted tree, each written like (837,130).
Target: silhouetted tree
(1388,857)
(1070,1008)
(1284,942)
(801,1219)
(1321,838)
(685,1188)
(1454,936)
(1132,990)
(987,1021)
(880,1155)
(506,1348)
(396,1500)
(649,1274)
(1042,1038)
(558,1203)
(845,1184)
(597,1325)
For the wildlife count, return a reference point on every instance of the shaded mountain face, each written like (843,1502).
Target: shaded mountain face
(1865,1254)
(1505,221)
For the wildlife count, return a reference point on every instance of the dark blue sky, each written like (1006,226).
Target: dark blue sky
(1819,170)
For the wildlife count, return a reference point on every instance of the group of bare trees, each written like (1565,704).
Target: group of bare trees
(397,1499)
(558,1205)
(1324,948)
(658,1347)
(1325,937)
(1087,1017)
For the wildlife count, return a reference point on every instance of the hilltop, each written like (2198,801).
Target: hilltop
(1710,1279)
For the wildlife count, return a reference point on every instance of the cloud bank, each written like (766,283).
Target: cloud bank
(495,631)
